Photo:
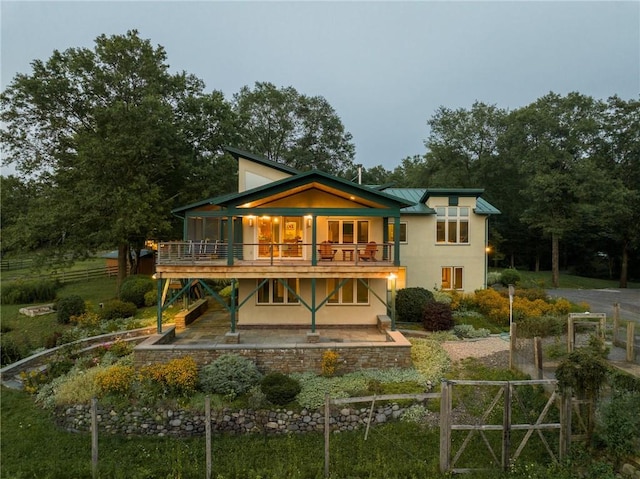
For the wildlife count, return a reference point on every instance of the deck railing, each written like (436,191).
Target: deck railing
(216,252)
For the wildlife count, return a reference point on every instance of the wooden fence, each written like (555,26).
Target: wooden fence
(71,276)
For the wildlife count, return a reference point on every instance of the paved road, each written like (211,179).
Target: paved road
(602,300)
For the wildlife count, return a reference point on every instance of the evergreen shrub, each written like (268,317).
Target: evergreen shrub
(70,306)
(510,276)
(410,303)
(230,374)
(134,288)
(116,309)
(279,388)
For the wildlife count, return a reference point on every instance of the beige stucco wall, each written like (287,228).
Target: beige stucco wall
(424,257)
(252,174)
(252,314)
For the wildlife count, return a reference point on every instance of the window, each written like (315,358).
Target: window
(452,277)
(352,291)
(348,231)
(452,224)
(403,232)
(274,292)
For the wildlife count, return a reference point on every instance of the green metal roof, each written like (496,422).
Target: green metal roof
(414,196)
(483,207)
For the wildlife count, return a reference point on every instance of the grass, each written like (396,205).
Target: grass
(543,279)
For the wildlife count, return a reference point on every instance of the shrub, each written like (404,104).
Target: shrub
(88,319)
(543,326)
(70,306)
(116,309)
(230,375)
(510,276)
(151,298)
(468,331)
(177,377)
(619,424)
(442,297)
(10,351)
(134,288)
(115,379)
(410,303)
(437,316)
(279,388)
(26,292)
(329,363)
(494,277)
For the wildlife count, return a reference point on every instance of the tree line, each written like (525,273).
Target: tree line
(106,141)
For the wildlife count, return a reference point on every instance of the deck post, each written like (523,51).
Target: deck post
(232,305)
(396,241)
(159,309)
(313,304)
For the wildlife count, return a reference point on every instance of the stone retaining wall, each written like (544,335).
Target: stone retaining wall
(303,357)
(178,423)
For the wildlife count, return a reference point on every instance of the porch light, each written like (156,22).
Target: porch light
(250,218)
(308,218)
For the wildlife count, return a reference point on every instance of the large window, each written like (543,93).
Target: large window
(451,277)
(352,291)
(274,292)
(348,231)
(403,232)
(452,224)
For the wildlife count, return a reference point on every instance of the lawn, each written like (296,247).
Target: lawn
(543,279)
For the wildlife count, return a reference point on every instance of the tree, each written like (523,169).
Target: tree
(555,138)
(99,131)
(286,126)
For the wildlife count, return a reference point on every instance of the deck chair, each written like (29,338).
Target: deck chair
(326,251)
(369,253)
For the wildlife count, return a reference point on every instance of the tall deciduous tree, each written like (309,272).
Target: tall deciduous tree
(98,129)
(301,131)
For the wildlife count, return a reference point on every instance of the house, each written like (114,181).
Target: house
(310,250)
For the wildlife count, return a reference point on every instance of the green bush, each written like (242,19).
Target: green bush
(437,316)
(230,374)
(279,388)
(410,303)
(69,306)
(151,298)
(468,331)
(27,292)
(116,309)
(619,424)
(544,326)
(134,288)
(494,278)
(510,276)
(10,351)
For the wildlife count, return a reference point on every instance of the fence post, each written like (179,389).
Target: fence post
(565,423)
(571,335)
(537,356)
(327,432)
(506,428)
(445,426)
(630,341)
(94,438)
(207,429)
(616,323)
(513,331)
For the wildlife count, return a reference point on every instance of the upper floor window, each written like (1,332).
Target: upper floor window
(452,224)
(275,292)
(403,232)
(352,291)
(348,231)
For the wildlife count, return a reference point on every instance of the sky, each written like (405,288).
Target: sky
(385,67)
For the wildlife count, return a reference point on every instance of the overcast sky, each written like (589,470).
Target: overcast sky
(385,67)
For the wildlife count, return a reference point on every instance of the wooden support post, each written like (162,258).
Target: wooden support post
(207,430)
(537,356)
(616,323)
(630,341)
(565,424)
(94,438)
(506,428)
(571,335)
(445,427)
(513,330)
